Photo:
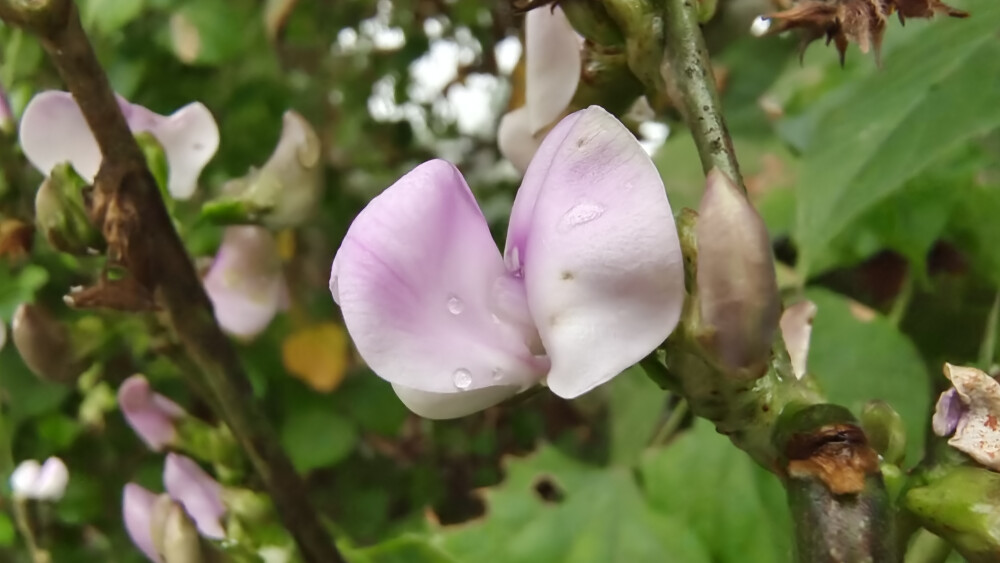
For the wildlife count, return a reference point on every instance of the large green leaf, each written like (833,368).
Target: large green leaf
(737,508)
(940,88)
(635,406)
(552,508)
(858,356)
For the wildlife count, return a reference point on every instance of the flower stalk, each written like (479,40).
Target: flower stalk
(140,235)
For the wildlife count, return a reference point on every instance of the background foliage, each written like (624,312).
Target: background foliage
(881,188)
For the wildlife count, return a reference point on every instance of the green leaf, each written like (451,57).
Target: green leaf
(552,508)
(404,549)
(936,91)
(107,16)
(858,356)
(317,437)
(635,406)
(19,286)
(737,508)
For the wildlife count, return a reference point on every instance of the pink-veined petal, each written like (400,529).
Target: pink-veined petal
(246,283)
(54,131)
(601,259)
(415,279)
(441,406)
(514,138)
(197,492)
(137,508)
(552,65)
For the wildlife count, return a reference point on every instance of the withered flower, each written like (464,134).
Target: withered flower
(859,21)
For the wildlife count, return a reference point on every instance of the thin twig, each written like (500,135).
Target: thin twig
(141,236)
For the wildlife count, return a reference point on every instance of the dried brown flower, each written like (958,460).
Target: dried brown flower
(859,21)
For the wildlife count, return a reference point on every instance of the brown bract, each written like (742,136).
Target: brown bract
(860,21)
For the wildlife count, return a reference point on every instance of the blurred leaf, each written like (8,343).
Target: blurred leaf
(934,92)
(552,508)
(318,355)
(975,226)
(317,437)
(635,406)
(107,16)
(737,508)
(405,549)
(25,395)
(370,401)
(858,356)
(7,534)
(213,31)
(18,287)
(57,430)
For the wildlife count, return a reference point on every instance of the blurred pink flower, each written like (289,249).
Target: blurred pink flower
(54,131)
(246,283)
(590,282)
(137,511)
(150,414)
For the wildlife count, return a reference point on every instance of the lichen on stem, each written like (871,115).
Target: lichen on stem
(141,237)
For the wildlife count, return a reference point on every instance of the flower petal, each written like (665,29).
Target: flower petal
(24,479)
(796,329)
(150,414)
(52,480)
(137,508)
(978,429)
(53,131)
(201,496)
(189,137)
(601,260)
(514,138)
(246,283)
(442,406)
(414,278)
(552,65)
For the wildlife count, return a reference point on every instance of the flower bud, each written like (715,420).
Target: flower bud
(45,345)
(62,216)
(735,276)
(40,482)
(174,534)
(285,191)
(151,415)
(885,431)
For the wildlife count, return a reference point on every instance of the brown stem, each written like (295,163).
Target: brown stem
(140,236)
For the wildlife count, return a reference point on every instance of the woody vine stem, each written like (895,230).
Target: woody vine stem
(131,214)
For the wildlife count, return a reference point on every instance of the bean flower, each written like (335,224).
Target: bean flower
(151,415)
(188,486)
(54,131)
(552,72)
(590,281)
(45,481)
(246,283)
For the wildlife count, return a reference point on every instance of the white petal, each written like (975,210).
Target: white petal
(24,478)
(52,480)
(796,329)
(54,131)
(189,137)
(552,65)
(442,406)
(602,263)
(515,140)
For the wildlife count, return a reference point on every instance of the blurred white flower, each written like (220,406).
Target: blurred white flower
(40,482)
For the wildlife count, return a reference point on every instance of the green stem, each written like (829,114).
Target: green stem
(672,423)
(687,70)
(23,519)
(141,236)
(902,302)
(987,349)
(928,548)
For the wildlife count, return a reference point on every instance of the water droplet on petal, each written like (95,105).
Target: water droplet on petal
(497,374)
(455,305)
(579,215)
(462,378)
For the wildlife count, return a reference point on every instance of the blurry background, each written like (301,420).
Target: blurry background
(888,180)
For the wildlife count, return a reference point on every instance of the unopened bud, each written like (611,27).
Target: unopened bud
(174,535)
(285,191)
(960,505)
(885,431)
(62,215)
(45,345)
(735,277)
